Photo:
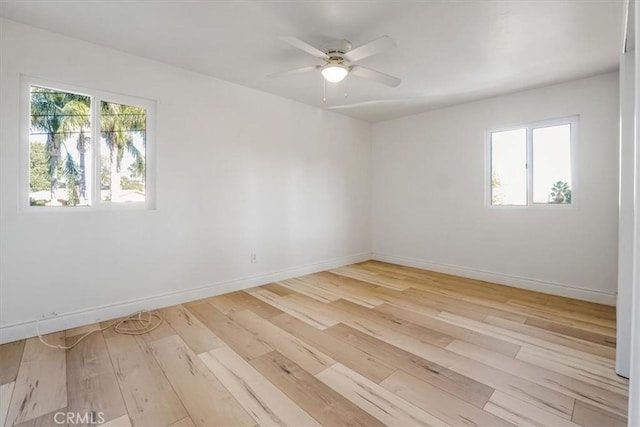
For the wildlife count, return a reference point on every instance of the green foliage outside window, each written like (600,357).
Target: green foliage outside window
(560,193)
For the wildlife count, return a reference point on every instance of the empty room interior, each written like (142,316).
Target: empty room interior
(304,213)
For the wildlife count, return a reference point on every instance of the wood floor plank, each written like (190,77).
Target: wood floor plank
(583,370)
(393,271)
(263,401)
(371,277)
(122,421)
(79,331)
(433,400)
(572,331)
(520,339)
(348,286)
(185,422)
(570,386)
(277,289)
(197,336)
(452,287)
(47,420)
(291,307)
(234,335)
(589,416)
(237,301)
(305,355)
(521,413)
(302,286)
(226,303)
(107,327)
(543,397)
(569,304)
(599,365)
(446,287)
(571,342)
(162,331)
(570,314)
(6,391)
(497,296)
(481,289)
(353,318)
(390,321)
(339,286)
(41,383)
(201,393)
(450,381)
(92,386)
(323,403)
(319,311)
(149,398)
(374,399)
(525,313)
(462,307)
(401,301)
(470,287)
(256,305)
(10,356)
(350,356)
(491,343)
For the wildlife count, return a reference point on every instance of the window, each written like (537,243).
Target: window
(86,148)
(532,164)
(122,152)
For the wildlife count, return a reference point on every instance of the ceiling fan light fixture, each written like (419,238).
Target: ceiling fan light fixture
(334,73)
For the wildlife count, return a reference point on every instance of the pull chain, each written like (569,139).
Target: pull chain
(324,90)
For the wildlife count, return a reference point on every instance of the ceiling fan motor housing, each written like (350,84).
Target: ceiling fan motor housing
(337,48)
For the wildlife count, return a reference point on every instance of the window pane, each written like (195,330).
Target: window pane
(552,164)
(59,148)
(509,167)
(122,152)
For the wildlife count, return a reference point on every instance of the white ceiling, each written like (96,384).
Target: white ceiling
(447,51)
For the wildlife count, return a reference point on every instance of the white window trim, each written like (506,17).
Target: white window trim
(94,188)
(574,121)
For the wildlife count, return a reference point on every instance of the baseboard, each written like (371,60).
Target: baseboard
(78,318)
(503,279)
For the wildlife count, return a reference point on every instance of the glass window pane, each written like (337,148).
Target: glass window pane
(552,164)
(122,153)
(59,148)
(509,167)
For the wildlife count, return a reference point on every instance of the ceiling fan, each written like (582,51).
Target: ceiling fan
(339,60)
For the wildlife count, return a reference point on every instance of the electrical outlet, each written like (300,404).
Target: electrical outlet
(254,259)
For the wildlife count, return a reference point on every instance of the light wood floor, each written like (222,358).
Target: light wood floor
(367,344)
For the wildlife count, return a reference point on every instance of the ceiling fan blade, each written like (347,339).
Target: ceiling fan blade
(379,103)
(401,102)
(367,73)
(295,42)
(295,71)
(361,104)
(372,48)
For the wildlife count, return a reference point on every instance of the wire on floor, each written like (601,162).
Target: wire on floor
(139,323)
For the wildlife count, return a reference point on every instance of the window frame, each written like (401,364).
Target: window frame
(574,122)
(96,96)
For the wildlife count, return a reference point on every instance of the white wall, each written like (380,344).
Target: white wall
(429,194)
(238,171)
